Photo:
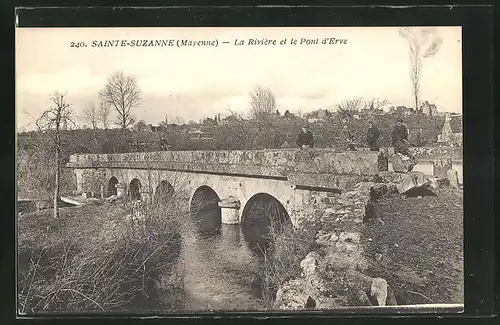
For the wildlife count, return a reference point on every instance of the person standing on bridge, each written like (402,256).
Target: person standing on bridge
(400,138)
(305,139)
(372,135)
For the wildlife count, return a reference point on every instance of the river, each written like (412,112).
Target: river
(220,272)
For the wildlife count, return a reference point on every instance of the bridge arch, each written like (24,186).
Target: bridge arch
(205,211)
(263,215)
(135,189)
(163,193)
(112,182)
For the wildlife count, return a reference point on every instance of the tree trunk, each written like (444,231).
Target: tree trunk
(58,172)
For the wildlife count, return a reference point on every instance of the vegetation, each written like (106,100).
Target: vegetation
(281,261)
(114,262)
(416,245)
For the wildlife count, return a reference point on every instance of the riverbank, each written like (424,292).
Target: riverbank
(417,245)
(376,247)
(102,257)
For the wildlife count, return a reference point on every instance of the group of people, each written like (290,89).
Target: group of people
(305,139)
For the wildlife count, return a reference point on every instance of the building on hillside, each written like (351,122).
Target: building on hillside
(228,119)
(199,134)
(156,128)
(401,111)
(428,109)
(451,132)
(318,116)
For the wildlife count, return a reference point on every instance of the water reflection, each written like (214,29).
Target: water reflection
(222,263)
(206,213)
(220,271)
(263,217)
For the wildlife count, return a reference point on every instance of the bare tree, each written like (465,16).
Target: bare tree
(122,93)
(90,116)
(179,120)
(373,106)
(348,113)
(262,102)
(419,48)
(103,114)
(56,118)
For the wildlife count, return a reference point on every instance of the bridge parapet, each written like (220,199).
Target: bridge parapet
(245,162)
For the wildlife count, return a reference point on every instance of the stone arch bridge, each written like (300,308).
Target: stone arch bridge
(295,178)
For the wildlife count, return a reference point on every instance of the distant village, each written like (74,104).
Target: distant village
(450,135)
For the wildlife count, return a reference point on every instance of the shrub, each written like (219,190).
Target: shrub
(96,258)
(288,247)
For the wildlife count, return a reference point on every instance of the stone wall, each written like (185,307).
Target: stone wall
(431,153)
(92,180)
(313,168)
(274,161)
(334,272)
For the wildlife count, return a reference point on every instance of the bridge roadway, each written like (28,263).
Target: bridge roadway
(289,175)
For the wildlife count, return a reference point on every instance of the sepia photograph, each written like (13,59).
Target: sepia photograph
(215,169)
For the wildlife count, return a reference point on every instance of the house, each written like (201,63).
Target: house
(428,109)
(199,134)
(229,119)
(451,132)
(156,128)
(318,116)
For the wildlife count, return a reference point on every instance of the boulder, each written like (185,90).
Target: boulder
(379,290)
(352,237)
(452,176)
(326,239)
(362,298)
(375,287)
(309,264)
(402,163)
(406,182)
(441,167)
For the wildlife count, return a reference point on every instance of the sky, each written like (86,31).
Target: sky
(197,82)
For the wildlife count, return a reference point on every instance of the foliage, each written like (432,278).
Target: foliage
(288,246)
(111,263)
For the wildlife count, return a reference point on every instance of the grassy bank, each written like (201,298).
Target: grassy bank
(95,258)
(281,262)
(417,246)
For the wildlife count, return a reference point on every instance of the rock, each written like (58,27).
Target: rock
(453,178)
(329,211)
(379,291)
(362,298)
(334,237)
(376,287)
(352,237)
(391,297)
(402,163)
(309,264)
(441,167)
(359,280)
(290,296)
(406,182)
(325,239)
(310,303)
